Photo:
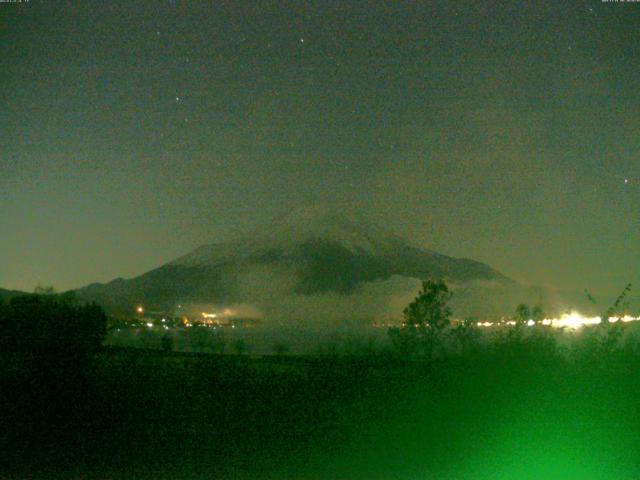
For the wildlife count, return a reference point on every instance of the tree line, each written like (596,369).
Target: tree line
(428,331)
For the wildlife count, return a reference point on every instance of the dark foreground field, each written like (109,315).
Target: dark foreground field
(487,416)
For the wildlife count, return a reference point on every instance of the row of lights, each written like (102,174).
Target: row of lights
(573,320)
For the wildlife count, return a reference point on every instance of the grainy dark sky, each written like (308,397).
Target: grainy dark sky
(132,132)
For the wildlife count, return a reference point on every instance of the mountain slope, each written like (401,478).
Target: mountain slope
(307,252)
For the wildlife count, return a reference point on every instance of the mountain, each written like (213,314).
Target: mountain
(309,252)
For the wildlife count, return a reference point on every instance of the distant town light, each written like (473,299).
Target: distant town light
(571,321)
(574,321)
(139,309)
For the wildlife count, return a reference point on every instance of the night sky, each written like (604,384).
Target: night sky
(132,132)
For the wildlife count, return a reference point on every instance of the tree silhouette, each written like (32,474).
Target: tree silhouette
(280,348)
(466,334)
(523,314)
(425,319)
(51,325)
(49,341)
(613,331)
(166,342)
(44,290)
(240,347)
(618,305)
(537,314)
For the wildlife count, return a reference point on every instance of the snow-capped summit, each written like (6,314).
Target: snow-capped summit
(323,223)
(301,226)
